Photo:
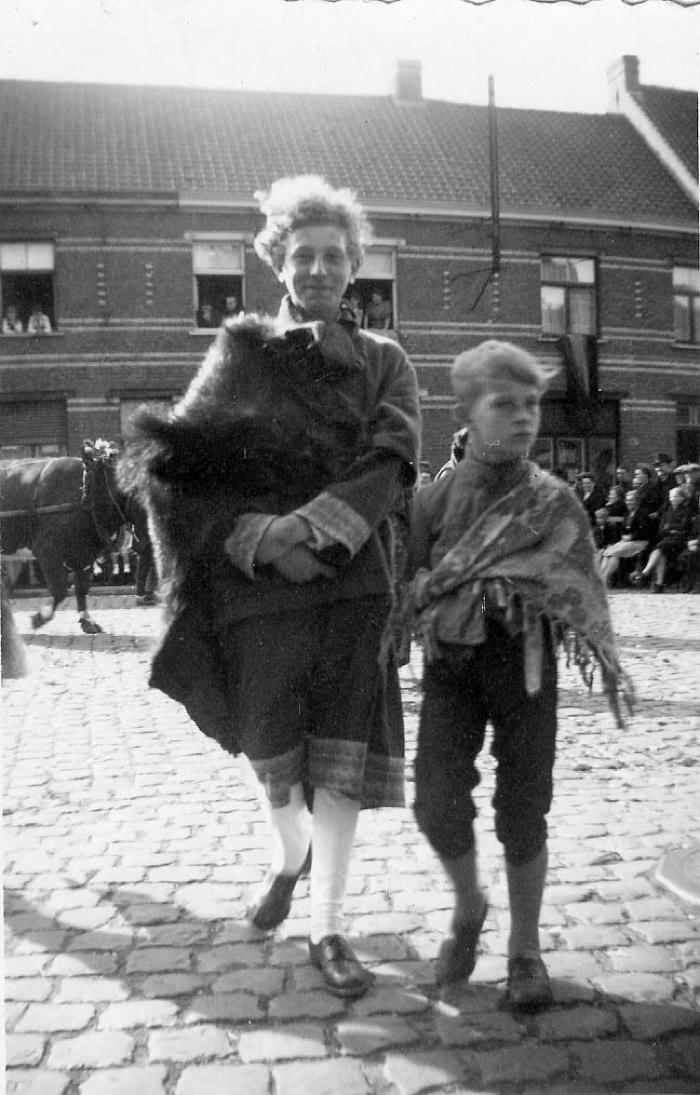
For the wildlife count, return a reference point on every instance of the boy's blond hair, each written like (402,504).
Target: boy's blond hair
(474,371)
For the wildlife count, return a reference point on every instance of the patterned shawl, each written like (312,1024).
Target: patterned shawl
(530,552)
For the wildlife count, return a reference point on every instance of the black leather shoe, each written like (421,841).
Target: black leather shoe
(343,974)
(528,988)
(457,955)
(274,905)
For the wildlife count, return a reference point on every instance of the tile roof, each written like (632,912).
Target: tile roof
(78,138)
(675,114)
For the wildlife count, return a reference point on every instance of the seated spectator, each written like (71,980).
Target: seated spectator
(623,478)
(206,316)
(590,494)
(648,494)
(12,324)
(604,532)
(616,510)
(425,476)
(378,313)
(459,441)
(674,532)
(632,547)
(689,559)
(38,322)
(690,481)
(665,478)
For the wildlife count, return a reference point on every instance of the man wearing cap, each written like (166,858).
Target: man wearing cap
(663,466)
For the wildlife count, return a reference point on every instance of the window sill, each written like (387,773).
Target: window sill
(30,338)
(683,345)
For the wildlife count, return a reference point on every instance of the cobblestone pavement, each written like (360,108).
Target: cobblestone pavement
(132,842)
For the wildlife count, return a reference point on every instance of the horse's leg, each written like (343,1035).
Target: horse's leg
(56,579)
(82,586)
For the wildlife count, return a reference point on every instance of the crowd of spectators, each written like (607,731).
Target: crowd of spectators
(647,529)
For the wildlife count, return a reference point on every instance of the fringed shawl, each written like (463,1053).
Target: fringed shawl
(530,552)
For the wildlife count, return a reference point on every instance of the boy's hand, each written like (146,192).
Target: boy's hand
(301,565)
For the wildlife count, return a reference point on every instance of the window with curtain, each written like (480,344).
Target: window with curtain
(568,295)
(686,303)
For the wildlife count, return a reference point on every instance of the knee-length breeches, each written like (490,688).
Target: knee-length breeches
(463,690)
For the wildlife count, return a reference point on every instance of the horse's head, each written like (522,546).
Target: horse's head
(99,493)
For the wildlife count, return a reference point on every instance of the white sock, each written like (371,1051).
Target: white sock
(290,827)
(334,823)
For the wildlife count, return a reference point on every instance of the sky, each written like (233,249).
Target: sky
(546,54)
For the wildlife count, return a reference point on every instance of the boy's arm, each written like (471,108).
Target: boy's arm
(421,530)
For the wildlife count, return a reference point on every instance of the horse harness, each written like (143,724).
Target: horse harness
(86,502)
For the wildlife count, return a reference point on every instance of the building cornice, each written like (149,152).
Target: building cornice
(526,217)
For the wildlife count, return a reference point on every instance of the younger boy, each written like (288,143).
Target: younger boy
(504,566)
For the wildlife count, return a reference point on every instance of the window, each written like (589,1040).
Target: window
(686,303)
(567,292)
(30,428)
(26,288)
(372,292)
(217,266)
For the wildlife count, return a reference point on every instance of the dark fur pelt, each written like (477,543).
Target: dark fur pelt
(240,440)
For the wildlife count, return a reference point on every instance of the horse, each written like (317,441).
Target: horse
(66,509)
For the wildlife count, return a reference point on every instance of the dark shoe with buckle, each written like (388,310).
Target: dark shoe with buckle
(274,905)
(528,988)
(342,972)
(457,955)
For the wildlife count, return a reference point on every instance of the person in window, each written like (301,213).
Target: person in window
(378,313)
(206,316)
(38,322)
(355,301)
(12,324)
(281,636)
(232,307)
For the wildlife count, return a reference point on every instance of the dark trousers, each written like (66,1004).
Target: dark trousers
(463,690)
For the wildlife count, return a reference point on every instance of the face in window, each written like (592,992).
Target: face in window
(317,269)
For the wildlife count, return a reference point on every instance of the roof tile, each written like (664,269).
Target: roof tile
(78,138)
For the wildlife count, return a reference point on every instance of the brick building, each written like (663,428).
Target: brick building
(124,210)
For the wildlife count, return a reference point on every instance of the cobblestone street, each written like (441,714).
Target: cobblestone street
(132,842)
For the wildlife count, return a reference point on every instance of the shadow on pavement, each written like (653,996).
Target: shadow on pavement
(82,643)
(221,970)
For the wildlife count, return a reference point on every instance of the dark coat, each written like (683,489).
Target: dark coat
(273,417)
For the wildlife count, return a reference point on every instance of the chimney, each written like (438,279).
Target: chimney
(623,79)
(408,84)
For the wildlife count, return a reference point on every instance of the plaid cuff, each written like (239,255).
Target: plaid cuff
(334,522)
(242,545)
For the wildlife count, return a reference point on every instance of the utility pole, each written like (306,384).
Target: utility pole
(493,174)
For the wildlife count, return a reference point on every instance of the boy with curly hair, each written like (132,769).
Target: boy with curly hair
(505,568)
